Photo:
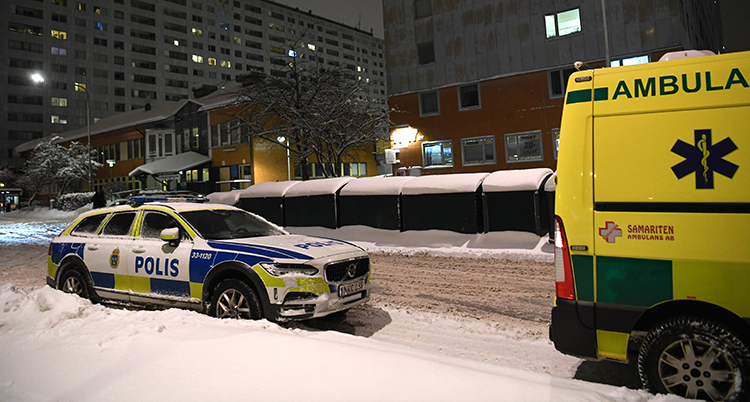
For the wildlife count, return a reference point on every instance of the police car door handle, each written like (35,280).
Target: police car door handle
(93,247)
(139,250)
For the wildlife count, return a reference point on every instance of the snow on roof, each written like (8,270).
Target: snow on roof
(375,186)
(516,180)
(268,189)
(225,197)
(318,187)
(172,164)
(444,184)
(220,98)
(117,122)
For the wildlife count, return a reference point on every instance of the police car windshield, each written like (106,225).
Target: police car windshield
(218,224)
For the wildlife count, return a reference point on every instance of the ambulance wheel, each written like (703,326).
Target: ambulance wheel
(695,358)
(235,299)
(73,282)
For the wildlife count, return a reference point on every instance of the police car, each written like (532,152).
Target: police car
(213,258)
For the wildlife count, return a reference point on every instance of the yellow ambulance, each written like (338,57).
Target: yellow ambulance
(653,222)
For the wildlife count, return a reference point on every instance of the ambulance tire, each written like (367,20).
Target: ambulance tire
(697,349)
(72,281)
(234,298)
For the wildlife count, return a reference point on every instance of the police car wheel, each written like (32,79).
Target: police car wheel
(695,358)
(235,299)
(72,282)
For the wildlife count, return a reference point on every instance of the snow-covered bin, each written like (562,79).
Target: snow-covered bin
(225,197)
(444,202)
(313,202)
(372,201)
(515,202)
(267,200)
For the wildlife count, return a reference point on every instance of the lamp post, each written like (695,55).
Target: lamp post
(80,87)
(282,139)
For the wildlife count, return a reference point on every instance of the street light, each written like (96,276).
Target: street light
(282,139)
(80,87)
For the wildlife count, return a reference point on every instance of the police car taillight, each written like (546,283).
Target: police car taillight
(564,286)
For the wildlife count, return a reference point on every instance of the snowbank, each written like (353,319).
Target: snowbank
(58,347)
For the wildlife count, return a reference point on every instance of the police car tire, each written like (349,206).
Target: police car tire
(232,288)
(72,281)
(700,334)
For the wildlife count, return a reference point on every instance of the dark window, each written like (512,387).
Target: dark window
(478,151)
(119,224)
(468,96)
(429,103)
(422,8)
(558,81)
(89,224)
(154,223)
(426,52)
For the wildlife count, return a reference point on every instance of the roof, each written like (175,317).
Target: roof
(444,184)
(219,99)
(172,164)
(516,180)
(117,122)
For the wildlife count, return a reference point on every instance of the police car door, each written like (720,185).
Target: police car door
(103,256)
(159,270)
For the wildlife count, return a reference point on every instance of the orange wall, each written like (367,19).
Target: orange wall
(513,104)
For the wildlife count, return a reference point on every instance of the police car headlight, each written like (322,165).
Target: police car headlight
(277,269)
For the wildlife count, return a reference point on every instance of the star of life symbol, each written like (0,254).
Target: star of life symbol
(610,232)
(704,159)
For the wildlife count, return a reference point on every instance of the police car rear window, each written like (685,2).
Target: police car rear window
(119,224)
(88,225)
(217,224)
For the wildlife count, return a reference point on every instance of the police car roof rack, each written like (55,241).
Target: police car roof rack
(137,201)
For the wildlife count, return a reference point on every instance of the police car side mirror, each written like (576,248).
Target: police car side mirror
(171,235)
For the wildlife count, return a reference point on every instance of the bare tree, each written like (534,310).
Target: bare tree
(326,112)
(55,165)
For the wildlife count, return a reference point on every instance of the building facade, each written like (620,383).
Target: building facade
(116,56)
(479,84)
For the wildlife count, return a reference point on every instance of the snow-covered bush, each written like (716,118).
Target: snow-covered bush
(72,201)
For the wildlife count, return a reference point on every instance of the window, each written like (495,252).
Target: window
(468,97)
(524,147)
(558,81)
(422,8)
(630,61)
(59,34)
(119,224)
(155,222)
(562,23)
(61,102)
(555,140)
(426,52)
(429,103)
(59,119)
(478,151)
(437,154)
(89,225)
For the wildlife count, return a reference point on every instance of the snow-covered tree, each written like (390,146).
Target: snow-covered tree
(56,166)
(326,112)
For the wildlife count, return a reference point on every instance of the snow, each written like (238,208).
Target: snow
(172,164)
(318,187)
(516,180)
(58,347)
(442,184)
(226,197)
(378,185)
(268,189)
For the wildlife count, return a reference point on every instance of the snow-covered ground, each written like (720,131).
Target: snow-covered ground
(57,347)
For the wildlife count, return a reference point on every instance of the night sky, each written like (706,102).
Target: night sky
(346,12)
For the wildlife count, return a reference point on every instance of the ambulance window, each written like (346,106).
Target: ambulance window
(119,224)
(89,224)
(155,222)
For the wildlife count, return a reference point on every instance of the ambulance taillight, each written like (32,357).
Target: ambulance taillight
(564,286)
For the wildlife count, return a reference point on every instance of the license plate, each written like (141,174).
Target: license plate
(349,288)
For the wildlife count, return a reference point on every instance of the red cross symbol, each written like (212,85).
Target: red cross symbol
(610,232)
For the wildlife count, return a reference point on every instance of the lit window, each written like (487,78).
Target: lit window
(563,23)
(197,32)
(78,87)
(237,41)
(437,154)
(311,46)
(478,151)
(59,34)
(61,119)
(524,147)
(555,140)
(197,58)
(225,63)
(61,102)
(630,61)
(211,61)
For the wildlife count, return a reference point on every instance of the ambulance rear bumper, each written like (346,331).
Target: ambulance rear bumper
(572,329)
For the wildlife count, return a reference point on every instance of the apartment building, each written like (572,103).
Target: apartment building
(480,83)
(100,58)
